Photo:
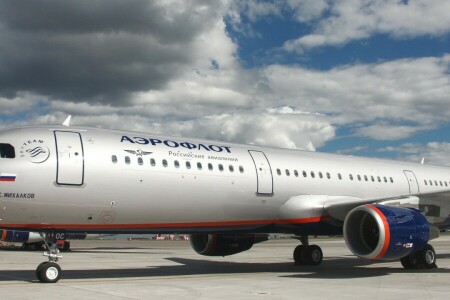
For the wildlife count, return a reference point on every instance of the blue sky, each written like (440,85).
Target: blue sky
(354,77)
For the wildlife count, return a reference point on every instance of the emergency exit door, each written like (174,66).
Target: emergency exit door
(70,158)
(263,173)
(412,181)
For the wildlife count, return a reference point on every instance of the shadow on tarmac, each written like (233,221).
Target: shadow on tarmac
(331,268)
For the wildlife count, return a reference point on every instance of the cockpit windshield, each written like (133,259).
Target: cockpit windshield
(7,151)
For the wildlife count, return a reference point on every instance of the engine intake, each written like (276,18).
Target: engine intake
(381,232)
(223,245)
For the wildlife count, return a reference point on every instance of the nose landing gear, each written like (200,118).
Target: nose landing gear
(49,271)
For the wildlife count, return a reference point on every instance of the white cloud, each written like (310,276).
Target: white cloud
(286,130)
(406,90)
(308,10)
(211,96)
(389,132)
(434,153)
(354,20)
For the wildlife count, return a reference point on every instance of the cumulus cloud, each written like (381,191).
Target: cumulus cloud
(433,153)
(286,129)
(97,51)
(354,20)
(170,67)
(412,91)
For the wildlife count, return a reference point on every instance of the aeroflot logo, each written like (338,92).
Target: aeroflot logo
(174,144)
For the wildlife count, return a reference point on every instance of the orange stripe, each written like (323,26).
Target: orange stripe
(4,232)
(387,232)
(170,225)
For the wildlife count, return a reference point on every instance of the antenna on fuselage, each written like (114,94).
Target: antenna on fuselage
(67,121)
(423,161)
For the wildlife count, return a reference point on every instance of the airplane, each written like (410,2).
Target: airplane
(63,179)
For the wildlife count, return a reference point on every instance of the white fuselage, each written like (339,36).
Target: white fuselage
(87,179)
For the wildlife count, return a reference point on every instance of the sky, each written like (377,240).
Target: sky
(366,77)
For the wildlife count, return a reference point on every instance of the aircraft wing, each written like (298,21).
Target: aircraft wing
(435,206)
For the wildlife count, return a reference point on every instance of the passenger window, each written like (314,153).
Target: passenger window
(431,183)
(127,160)
(220,167)
(365,178)
(359,177)
(339,176)
(445,183)
(177,164)
(392,179)
(320,175)
(140,161)
(231,168)
(279,172)
(199,165)
(210,166)
(371,178)
(287,172)
(425,181)
(241,169)
(440,183)
(188,165)
(296,174)
(328,175)
(379,179)
(114,159)
(385,179)
(435,182)
(7,151)
(152,162)
(305,174)
(164,162)
(351,176)
(312,174)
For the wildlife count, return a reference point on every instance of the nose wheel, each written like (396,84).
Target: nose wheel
(49,271)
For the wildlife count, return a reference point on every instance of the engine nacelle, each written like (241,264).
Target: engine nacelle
(20,236)
(223,244)
(381,232)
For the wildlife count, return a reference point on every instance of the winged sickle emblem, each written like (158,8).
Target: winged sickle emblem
(138,152)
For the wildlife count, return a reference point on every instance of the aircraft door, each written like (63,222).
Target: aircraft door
(412,181)
(263,172)
(70,158)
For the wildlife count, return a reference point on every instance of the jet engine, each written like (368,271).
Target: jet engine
(224,244)
(20,236)
(380,232)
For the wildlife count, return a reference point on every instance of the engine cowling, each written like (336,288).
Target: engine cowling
(380,232)
(223,244)
(20,236)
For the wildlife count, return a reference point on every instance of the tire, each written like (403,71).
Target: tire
(38,270)
(427,257)
(409,262)
(50,273)
(299,255)
(313,255)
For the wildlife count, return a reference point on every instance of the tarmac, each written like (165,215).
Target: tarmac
(120,269)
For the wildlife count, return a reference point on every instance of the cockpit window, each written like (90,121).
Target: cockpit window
(7,151)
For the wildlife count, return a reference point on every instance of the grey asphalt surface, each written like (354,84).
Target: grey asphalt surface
(119,269)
